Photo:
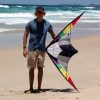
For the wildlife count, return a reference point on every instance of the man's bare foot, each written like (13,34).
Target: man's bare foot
(29,91)
(39,90)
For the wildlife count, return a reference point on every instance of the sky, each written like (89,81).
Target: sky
(50,2)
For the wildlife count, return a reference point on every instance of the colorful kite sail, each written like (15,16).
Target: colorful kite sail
(60,50)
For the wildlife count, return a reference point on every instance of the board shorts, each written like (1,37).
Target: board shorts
(35,59)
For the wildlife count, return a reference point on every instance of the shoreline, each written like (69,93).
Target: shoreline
(15,40)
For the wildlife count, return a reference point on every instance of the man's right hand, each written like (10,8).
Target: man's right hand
(25,52)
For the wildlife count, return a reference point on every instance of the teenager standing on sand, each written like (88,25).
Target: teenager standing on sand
(36,30)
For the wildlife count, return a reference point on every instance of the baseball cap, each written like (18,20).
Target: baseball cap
(40,8)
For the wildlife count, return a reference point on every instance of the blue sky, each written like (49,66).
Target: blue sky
(51,2)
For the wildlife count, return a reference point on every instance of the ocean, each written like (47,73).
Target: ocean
(11,15)
(14,17)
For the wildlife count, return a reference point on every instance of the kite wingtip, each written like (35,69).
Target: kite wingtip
(83,13)
(78,91)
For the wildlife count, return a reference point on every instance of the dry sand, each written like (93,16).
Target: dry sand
(84,69)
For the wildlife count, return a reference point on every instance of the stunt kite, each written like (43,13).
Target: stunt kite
(60,50)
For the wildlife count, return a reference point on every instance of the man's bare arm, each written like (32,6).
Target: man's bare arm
(53,35)
(25,51)
(25,39)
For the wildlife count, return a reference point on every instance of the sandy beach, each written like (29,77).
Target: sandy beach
(84,69)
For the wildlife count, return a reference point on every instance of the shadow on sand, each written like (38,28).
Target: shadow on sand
(55,90)
(60,90)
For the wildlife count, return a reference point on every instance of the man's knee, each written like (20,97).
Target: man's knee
(31,69)
(40,68)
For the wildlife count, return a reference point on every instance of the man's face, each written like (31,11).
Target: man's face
(39,14)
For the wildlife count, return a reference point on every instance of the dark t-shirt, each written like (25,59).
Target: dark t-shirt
(40,26)
(38,32)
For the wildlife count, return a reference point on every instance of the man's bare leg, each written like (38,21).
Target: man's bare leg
(31,78)
(40,75)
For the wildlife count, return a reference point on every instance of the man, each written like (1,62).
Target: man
(36,30)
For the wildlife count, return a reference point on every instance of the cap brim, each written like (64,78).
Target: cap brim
(39,11)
